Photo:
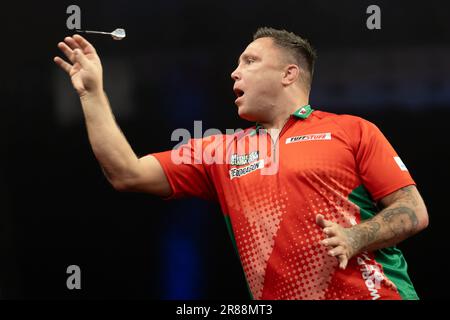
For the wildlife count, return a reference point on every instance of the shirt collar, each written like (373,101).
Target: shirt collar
(301,113)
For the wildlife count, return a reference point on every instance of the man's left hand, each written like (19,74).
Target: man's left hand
(341,241)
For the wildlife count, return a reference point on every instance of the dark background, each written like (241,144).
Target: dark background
(57,209)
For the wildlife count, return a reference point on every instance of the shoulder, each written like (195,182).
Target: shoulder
(341,119)
(347,122)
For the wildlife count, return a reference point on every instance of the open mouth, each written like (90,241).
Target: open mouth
(238,92)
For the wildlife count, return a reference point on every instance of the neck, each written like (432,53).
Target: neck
(283,111)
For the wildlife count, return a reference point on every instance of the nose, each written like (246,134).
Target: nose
(236,75)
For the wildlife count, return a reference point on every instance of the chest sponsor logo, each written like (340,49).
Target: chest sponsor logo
(240,160)
(239,172)
(309,137)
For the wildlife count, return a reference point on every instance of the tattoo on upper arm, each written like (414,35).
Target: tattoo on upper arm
(405,194)
(408,192)
(400,220)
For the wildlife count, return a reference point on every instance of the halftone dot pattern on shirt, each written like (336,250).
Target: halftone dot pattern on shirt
(304,269)
(332,187)
(334,206)
(262,208)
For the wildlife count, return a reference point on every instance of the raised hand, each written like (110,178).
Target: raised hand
(84,66)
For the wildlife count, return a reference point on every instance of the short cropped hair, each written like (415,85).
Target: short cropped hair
(295,46)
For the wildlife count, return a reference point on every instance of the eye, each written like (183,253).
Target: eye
(250,60)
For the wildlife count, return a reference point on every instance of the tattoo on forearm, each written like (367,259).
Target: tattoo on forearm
(391,225)
(363,234)
(372,230)
(400,220)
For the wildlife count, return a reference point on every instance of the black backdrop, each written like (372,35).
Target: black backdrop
(56,208)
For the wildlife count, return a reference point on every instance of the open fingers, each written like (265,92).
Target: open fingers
(332,242)
(83,43)
(340,254)
(71,43)
(329,231)
(80,57)
(68,52)
(62,64)
(337,251)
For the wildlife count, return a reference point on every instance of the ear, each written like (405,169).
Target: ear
(291,74)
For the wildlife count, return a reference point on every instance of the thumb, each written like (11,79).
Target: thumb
(80,57)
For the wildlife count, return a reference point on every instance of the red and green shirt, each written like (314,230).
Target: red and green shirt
(335,165)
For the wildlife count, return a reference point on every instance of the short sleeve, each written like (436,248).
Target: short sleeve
(187,174)
(380,168)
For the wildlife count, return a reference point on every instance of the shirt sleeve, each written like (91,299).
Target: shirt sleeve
(187,174)
(380,168)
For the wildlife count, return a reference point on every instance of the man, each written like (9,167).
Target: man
(311,229)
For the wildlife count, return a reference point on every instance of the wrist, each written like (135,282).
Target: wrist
(367,234)
(92,95)
(357,238)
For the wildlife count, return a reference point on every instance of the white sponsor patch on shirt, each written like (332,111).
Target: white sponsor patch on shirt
(310,137)
(240,160)
(400,164)
(239,172)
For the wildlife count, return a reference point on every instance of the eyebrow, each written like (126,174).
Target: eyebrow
(243,56)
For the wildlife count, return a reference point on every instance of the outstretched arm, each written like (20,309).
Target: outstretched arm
(124,170)
(404,215)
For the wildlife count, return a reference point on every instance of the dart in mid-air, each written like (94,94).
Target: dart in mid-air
(117,34)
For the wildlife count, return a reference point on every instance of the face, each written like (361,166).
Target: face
(257,79)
